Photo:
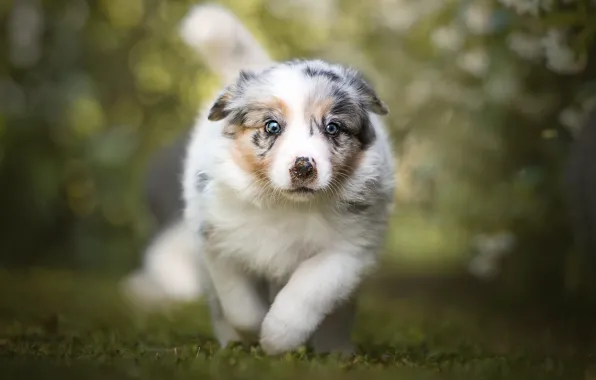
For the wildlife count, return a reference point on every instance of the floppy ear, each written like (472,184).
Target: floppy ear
(368,94)
(220,109)
(377,105)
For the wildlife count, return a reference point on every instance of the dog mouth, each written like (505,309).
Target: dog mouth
(301,193)
(302,190)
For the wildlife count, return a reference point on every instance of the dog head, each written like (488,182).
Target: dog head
(299,128)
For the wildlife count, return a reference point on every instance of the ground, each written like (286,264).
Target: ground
(60,325)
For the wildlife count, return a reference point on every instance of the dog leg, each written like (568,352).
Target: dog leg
(222,329)
(315,289)
(334,333)
(238,298)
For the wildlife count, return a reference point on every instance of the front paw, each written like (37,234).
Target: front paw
(283,332)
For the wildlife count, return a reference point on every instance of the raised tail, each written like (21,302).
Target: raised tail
(222,40)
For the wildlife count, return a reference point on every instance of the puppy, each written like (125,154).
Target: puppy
(287,188)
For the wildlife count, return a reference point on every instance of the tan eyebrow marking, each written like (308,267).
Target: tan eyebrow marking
(257,112)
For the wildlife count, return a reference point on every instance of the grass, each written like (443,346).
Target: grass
(56,325)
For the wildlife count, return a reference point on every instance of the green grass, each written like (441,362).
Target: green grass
(70,326)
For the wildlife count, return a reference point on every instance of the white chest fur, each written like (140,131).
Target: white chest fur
(269,242)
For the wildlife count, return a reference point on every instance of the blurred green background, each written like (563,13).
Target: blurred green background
(485,99)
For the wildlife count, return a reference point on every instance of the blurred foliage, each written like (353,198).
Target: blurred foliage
(90,89)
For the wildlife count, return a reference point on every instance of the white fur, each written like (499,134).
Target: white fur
(211,29)
(169,271)
(297,142)
(315,288)
(315,253)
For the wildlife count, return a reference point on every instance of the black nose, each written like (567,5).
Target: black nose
(303,167)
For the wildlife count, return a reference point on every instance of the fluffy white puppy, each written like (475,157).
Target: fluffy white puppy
(287,187)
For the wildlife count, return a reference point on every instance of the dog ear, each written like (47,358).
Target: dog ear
(221,108)
(377,105)
(368,95)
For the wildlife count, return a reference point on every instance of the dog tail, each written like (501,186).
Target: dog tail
(170,270)
(222,40)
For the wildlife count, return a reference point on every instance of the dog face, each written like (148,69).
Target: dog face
(300,127)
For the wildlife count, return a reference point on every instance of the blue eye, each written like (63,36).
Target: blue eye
(273,127)
(332,129)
